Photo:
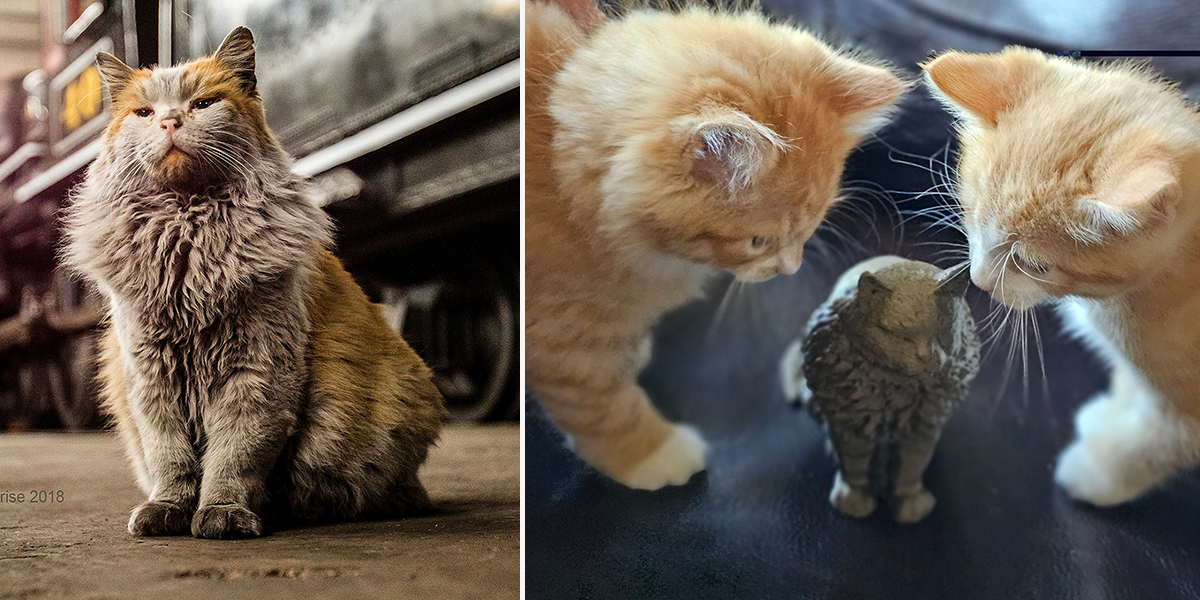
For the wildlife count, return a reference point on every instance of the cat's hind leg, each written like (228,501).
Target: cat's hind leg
(1129,440)
(592,395)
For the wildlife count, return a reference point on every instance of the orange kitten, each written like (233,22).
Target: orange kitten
(659,148)
(1081,182)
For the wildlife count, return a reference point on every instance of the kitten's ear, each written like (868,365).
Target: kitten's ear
(237,54)
(981,86)
(863,94)
(114,73)
(1142,198)
(953,282)
(728,148)
(870,286)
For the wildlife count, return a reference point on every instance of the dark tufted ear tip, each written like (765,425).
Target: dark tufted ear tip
(240,33)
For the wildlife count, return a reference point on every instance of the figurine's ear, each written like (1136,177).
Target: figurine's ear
(869,286)
(953,282)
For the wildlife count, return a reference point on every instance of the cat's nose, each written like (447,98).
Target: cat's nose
(171,122)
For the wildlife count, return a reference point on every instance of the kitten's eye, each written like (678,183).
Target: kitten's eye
(143,112)
(204,103)
(757,242)
(1027,266)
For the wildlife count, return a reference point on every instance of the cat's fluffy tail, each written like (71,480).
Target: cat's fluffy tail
(795,387)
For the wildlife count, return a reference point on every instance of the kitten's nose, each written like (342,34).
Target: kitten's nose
(786,266)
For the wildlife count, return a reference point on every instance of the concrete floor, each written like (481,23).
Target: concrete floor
(79,548)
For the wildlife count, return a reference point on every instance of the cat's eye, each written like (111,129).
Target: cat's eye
(1027,266)
(204,103)
(757,242)
(143,112)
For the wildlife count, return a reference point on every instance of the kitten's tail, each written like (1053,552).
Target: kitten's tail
(795,386)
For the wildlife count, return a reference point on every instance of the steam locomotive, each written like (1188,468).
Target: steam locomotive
(405,113)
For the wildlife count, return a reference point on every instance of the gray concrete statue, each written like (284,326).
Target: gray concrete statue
(882,364)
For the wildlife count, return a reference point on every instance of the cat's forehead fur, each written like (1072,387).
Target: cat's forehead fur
(1071,130)
(911,302)
(175,87)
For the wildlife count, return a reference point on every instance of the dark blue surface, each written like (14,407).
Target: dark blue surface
(758,524)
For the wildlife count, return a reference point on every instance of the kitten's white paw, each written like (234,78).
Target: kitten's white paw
(914,507)
(1088,478)
(674,463)
(1093,416)
(850,501)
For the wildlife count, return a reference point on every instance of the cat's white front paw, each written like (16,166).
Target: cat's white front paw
(674,463)
(1088,478)
(1092,417)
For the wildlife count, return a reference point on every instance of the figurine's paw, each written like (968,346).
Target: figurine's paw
(914,507)
(674,463)
(1087,477)
(850,501)
(159,518)
(226,522)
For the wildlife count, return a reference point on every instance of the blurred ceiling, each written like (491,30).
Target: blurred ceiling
(20,40)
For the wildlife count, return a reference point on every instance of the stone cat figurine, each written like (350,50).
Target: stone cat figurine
(882,364)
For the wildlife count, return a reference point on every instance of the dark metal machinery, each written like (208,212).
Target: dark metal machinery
(404,112)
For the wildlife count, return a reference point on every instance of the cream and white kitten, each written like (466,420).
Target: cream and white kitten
(1080,183)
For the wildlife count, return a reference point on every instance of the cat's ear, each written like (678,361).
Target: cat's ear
(115,74)
(237,54)
(870,286)
(1140,199)
(728,148)
(864,95)
(953,282)
(982,86)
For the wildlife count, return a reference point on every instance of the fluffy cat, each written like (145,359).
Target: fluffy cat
(1081,183)
(660,147)
(245,371)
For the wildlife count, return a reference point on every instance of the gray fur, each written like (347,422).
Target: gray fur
(885,360)
(206,278)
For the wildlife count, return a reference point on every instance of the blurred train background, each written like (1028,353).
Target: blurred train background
(404,112)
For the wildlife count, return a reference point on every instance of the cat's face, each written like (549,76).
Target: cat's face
(1068,175)
(732,150)
(195,124)
(905,308)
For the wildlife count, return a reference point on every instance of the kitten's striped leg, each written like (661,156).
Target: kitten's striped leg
(592,395)
(851,492)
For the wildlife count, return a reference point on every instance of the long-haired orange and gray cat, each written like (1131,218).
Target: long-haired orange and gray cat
(245,371)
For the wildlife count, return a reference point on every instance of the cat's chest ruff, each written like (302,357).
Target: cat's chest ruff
(186,257)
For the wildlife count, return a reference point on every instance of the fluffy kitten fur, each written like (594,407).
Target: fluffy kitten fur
(246,372)
(659,147)
(1081,182)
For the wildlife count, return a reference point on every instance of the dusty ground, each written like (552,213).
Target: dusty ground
(78,548)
